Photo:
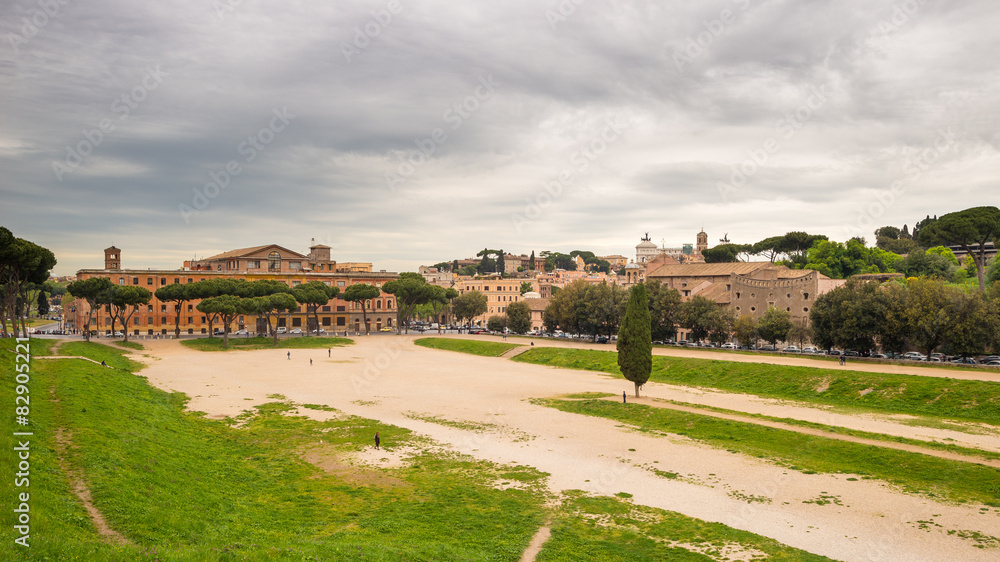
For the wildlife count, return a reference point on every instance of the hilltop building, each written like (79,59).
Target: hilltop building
(269,261)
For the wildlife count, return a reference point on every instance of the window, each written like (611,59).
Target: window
(805,309)
(274,261)
(121,280)
(805,296)
(340,308)
(190,308)
(218,267)
(296,283)
(788,295)
(163,280)
(149,280)
(326,309)
(326,320)
(149,308)
(135,280)
(253,264)
(190,280)
(177,280)
(341,321)
(190,320)
(340,283)
(296,322)
(737,295)
(295,265)
(163,308)
(378,305)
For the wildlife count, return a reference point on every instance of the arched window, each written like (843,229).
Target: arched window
(274,261)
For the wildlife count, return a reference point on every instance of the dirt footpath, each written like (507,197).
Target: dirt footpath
(389,379)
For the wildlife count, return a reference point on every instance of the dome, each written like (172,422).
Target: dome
(633,265)
(645,244)
(532,295)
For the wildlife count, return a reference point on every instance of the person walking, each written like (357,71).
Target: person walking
(377,440)
(329,351)
(843,359)
(289,355)
(310,362)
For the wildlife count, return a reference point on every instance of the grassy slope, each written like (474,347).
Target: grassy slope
(967,400)
(189,487)
(236,342)
(935,477)
(484,348)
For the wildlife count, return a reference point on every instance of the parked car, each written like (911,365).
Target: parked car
(281,330)
(791,349)
(241,332)
(965,361)
(993,363)
(729,345)
(877,356)
(810,349)
(476,330)
(682,342)
(850,353)
(387,329)
(602,339)
(835,352)
(914,356)
(319,331)
(766,348)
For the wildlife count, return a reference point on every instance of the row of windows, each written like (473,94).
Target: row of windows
(787,308)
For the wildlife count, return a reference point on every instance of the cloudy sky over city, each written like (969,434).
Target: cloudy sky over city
(406,133)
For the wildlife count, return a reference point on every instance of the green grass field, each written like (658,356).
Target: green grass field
(912,472)
(484,348)
(908,394)
(241,343)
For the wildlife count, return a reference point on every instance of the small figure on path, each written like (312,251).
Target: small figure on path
(377,440)
(103,364)
(310,362)
(843,359)
(329,351)
(623,397)
(289,355)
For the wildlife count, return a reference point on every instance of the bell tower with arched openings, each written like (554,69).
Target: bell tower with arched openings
(701,241)
(112,258)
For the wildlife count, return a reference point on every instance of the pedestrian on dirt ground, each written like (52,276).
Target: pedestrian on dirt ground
(843,359)
(289,355)
(329,351)
(377,440)
(623,397)
(310,362)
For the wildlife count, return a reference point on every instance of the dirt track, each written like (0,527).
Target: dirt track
(386,378)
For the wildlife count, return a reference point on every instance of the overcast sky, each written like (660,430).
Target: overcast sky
(407,133)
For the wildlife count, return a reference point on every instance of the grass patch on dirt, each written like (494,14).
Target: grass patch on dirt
(608,528)
(246,344)
(906,394)
(483,348)
(912,472)
(130,345)
(936,445)
(180,486)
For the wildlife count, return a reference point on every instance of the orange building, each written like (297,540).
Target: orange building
(252,264)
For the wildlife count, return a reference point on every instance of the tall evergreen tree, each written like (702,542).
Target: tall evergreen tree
(531,261)
(43,303)
(501,265)
(635,345)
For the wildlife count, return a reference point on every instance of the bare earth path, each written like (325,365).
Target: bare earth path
(389,379)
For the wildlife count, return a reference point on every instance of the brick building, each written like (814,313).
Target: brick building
(252,264)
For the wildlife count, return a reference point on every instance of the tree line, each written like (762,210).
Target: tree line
(24,268)
(925,251)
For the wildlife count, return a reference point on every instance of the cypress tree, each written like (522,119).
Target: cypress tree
(635,345)
(531,261)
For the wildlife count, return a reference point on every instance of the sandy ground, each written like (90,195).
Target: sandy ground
(389,379)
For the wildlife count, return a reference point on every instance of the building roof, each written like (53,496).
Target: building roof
(716,292)
(706,269)
(248,251)
(537,304)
